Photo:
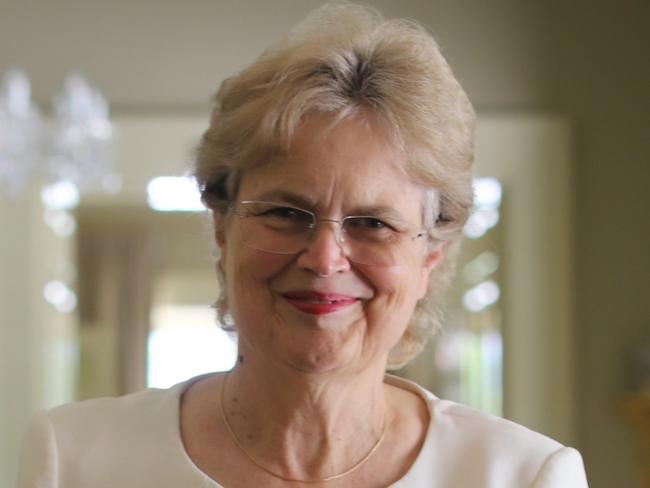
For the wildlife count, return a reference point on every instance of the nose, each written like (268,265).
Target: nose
(325,254)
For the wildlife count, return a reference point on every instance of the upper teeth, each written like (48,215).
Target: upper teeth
(309,300)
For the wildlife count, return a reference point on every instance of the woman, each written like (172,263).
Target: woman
(338,171)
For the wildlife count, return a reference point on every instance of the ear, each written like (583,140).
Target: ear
(431,260)
(219,226)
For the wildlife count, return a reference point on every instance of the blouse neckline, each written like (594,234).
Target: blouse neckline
(418,466)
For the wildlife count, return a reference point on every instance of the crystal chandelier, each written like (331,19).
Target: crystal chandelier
(74,149)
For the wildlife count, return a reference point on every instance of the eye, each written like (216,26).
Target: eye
(370,230)
(286,213)
(278,217)
(367,223)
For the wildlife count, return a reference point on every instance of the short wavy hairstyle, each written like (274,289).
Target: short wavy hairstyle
(346,60)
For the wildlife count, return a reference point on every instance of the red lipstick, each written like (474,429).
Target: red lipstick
(316,303)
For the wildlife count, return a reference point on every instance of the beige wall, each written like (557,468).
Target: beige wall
(167,54)
(587,59)
(602,80)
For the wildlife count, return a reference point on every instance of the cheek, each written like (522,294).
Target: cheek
(248,274)
(395,296)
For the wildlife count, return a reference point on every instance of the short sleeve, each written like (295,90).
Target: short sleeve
(38,467)
(562,469)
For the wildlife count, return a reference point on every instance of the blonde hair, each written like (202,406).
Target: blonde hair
(347,60)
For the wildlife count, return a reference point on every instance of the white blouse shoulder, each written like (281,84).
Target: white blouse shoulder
(469,448)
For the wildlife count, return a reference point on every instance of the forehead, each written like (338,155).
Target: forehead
(348,164)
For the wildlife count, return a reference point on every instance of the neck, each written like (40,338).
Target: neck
(312,425)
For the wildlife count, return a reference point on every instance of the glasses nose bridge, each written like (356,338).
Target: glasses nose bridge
(339,232)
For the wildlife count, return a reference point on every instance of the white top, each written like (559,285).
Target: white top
(134,442)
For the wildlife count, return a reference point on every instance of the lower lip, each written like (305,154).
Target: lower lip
(320,308)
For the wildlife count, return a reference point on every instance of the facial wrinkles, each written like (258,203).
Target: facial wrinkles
(323,344)
(392,305)
(335,181)
(333,198)
(331,341)
(280,267)
(330,196)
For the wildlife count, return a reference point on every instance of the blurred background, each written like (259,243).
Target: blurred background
(107,267)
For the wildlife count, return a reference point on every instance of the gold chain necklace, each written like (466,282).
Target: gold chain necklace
(260,465)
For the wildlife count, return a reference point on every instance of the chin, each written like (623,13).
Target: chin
(320,355)
(317,365)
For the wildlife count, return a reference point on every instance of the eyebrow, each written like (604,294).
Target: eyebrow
(383,211)
(286,196)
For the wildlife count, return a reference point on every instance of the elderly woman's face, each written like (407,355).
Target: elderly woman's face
(316,310)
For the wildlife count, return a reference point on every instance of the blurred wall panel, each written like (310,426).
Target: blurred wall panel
(38,338)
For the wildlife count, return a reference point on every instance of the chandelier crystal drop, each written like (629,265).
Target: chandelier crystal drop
(75,147)
(21,133)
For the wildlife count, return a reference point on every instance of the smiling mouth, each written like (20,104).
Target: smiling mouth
(316,303)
